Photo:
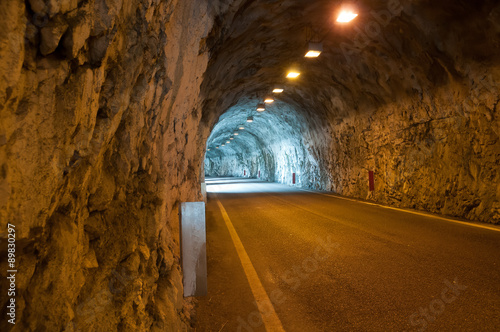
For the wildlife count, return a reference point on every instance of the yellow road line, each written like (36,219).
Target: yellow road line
(266,309)
(497,229)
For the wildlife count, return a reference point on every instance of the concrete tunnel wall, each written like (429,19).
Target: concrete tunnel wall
(106,108)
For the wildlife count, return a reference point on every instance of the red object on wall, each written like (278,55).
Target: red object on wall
(371,180)
(293,178)
(244,172)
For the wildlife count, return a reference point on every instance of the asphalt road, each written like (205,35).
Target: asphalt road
(331,264)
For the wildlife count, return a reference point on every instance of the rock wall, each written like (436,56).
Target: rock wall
(99,142)
(436,153)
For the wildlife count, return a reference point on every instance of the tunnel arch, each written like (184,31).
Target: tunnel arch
(273,147)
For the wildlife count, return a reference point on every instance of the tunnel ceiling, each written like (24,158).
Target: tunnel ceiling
(392,50)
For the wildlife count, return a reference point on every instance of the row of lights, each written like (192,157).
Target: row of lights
(314,50)
(240,127)
(261,107)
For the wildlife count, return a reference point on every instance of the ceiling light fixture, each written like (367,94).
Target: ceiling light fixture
(236,134)
(208,149)
(293,74)
(277,90)
(241,127)
(346,16)
(261,108)
(314,50)
(216,147)
(231,138)
(269,100)
(223,145)
(227,142)
(249,119)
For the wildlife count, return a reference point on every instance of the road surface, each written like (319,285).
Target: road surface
(310,261)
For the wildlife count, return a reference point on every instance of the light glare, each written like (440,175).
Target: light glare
(269,100)
(277,90)
(346,16)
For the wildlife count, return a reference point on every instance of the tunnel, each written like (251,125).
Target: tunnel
(363,136)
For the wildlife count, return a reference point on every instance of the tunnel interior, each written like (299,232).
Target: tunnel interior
(272,147)
(108,109)
(402,92)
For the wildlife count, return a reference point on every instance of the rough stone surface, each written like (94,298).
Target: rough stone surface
(274,144)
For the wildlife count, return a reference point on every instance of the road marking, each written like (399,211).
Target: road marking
(266,309)
(408,211)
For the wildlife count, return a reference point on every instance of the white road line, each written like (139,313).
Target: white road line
(491,228)
(264,304)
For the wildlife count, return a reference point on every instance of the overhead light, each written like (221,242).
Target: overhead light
(241,128)
(314,50)
(261,108)
(236,134)
(231,138)
(227,142)
(223,145)
(249,119)
(268,100)
(293,74)
(277,90)
(346,16)
(216,147)
(208,149)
